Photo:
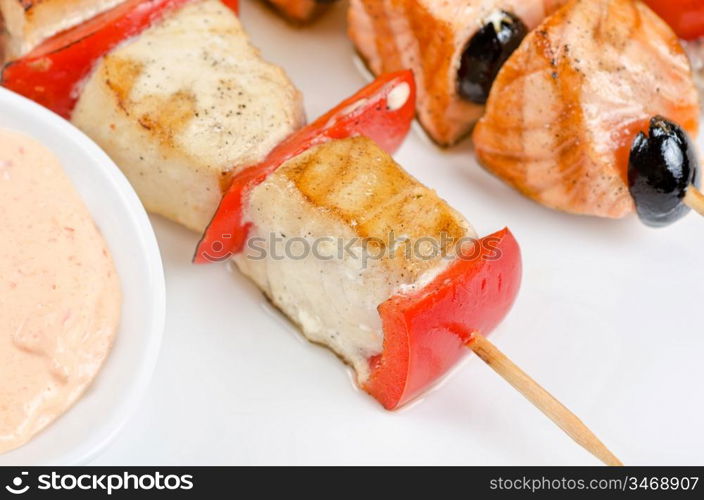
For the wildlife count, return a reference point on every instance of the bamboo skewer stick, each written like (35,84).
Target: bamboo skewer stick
(694,199)
(542,399)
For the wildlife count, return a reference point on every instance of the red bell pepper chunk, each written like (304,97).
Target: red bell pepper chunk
(234,5)
(685,16)
(368,113)
(426,334)
(52,73)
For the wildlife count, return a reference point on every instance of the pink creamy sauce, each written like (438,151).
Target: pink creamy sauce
(60,296)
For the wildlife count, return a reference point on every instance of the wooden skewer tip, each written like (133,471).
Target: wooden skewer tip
(541,398)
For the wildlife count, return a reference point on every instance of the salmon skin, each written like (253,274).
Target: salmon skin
(300,11)
(429,37)
(566,106)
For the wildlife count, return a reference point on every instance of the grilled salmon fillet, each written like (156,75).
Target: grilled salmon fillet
(30,22)
(429,37)
(695,50)
(566,106)
(300,11)
(323,228)
(184,105)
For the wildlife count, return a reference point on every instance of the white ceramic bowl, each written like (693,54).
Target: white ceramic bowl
(95,420)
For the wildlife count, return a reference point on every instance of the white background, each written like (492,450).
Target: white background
(609,319)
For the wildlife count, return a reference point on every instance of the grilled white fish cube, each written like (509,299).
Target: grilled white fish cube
(337,231)
(186,104)
(30,22)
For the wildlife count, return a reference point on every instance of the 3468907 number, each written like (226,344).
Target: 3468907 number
(686,483)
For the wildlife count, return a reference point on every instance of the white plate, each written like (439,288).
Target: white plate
(87,428)
(609,319)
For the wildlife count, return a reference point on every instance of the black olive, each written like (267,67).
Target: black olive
(660,170)
(486,52)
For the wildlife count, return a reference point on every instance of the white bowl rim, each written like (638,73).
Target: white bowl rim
(145,240)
